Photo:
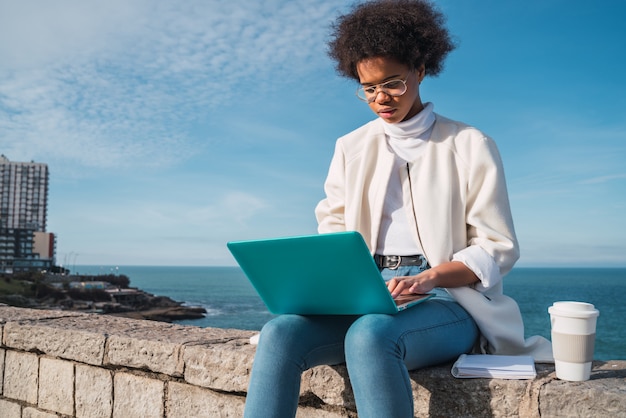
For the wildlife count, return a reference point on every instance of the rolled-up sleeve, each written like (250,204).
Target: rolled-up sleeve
(482,264)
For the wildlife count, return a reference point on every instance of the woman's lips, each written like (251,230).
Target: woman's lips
(386,113)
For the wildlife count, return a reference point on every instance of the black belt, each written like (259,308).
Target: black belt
(392,262)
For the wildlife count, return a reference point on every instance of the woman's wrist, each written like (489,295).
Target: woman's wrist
(451,274)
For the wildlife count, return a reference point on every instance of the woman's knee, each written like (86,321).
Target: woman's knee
(282,330)
(370,333)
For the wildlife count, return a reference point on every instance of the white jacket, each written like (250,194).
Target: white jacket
(459,204)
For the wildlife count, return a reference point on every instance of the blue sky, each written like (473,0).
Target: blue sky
(171,127)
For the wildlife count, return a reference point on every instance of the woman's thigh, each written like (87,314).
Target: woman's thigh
(307,340)
(433,332)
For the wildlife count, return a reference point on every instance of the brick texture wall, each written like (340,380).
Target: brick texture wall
(64,364)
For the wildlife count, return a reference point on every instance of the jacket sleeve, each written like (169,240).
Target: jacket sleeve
(488,216)
(330,212)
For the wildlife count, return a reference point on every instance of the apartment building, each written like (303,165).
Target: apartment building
(24,243)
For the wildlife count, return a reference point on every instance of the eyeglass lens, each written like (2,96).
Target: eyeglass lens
(391,87)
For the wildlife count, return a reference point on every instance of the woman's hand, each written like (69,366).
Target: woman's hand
(451,274)
(421,283)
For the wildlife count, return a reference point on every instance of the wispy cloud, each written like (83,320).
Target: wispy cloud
(604,179)
(117,83)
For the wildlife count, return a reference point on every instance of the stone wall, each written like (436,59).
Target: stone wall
(55,363)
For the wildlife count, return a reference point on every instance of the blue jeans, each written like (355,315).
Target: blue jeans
(378,350)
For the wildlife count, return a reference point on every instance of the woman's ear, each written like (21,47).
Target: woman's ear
(421,73)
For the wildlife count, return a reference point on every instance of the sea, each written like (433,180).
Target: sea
(231,301)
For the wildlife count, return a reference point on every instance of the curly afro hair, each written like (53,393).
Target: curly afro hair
(409,31)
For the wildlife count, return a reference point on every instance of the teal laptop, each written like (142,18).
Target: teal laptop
(325,274)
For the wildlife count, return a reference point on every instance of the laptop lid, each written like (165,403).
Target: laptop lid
(325,274)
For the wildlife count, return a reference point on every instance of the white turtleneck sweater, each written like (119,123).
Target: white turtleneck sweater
(406,140)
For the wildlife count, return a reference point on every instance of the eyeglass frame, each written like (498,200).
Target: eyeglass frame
(379,87)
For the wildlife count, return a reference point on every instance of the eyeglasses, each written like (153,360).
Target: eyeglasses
(392,88)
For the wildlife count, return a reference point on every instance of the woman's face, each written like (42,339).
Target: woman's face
(392,109)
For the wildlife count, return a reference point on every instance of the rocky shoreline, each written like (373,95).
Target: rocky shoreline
(106,294)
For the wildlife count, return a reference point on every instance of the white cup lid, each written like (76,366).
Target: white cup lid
(573,309)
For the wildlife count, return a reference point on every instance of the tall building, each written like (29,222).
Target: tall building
(23,212)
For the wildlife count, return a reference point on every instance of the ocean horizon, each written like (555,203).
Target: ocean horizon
(231,301)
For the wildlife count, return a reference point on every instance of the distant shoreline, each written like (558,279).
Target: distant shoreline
(101,294)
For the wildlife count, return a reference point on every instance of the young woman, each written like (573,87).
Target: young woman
(428,195)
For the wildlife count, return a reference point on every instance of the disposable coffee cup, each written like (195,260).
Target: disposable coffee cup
(573,338)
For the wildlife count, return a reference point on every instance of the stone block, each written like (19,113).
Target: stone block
(14,314)
(185,401)
(191,401)
(94,392)
(35,413)
(21,376)
(77,344)
(10,409)
(602,396)
(137,396)
(435,392)
(158,347)
(310,412)
(56,385)
(1,368)
(224,366)
(330,384)
(156,356)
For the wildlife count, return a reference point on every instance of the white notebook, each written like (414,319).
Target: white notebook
(493,366)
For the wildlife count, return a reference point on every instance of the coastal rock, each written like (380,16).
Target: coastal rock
(106,294)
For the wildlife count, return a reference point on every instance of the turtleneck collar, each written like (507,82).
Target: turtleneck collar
(412,128)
